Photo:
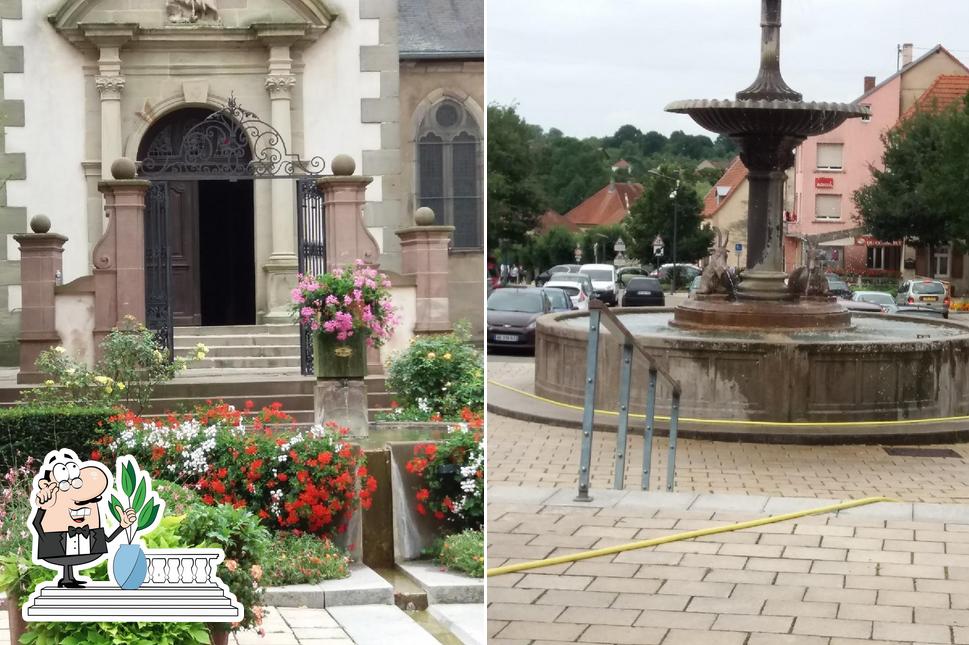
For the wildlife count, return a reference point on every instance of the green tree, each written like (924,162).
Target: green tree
(557,246)
(571,170)
(515,198)
(921,194)
(653,214)
(605,237)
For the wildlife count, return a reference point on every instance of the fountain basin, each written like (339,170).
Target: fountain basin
(881,368)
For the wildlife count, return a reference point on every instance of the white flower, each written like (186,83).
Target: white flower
(59,349)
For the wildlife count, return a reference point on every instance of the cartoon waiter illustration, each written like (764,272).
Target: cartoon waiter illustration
(67,520)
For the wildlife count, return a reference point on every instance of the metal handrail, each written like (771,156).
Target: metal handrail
(600,314)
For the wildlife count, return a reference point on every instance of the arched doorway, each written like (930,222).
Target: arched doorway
(210,236)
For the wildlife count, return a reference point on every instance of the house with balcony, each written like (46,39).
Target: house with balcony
(829,168)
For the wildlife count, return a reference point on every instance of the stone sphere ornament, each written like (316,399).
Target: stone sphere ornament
(40,224)
(343,165)
(424,216)
(123,168)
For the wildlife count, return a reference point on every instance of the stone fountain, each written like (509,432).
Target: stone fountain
(770,361)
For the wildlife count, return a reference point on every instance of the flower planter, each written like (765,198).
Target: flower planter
(335,359)
(217,635)
(129,566)
(15,619)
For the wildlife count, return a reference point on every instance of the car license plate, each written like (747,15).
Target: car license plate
(506,338)
(929,298)
(644,293)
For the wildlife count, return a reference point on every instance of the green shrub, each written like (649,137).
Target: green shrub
(29,431)
(245,543)
(439,376)
(132,363)
(304,559)
(464,552)
(178,499)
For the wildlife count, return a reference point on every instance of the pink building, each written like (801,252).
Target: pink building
(829,168)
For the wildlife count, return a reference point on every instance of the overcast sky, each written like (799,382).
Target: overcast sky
(590,66)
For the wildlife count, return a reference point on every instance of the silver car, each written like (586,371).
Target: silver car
(880,298)
(924,292)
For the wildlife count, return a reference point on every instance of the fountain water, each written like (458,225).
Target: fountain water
(785,363)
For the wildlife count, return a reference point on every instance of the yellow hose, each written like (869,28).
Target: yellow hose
(642,544)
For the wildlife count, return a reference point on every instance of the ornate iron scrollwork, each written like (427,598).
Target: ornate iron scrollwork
(232,143)
(311,245)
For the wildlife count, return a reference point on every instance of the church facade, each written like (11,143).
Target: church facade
(89,81)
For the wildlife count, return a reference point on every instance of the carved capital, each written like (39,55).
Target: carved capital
(280,85)
(110,87)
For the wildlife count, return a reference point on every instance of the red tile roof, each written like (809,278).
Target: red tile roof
(550,219)
(622,163)
(943,92)
(735,175)
(608,206)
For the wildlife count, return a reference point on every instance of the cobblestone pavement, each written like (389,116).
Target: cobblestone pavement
(858,577)
(544,455)
(283,625)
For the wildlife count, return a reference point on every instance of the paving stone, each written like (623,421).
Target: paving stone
(811,580)
(913,599)
(663,572)
(808,553)
(857,596)
(785,639)
(742,577)
(832,627)
(799,608)
(884,613)
(778,564)
(951,617)
(517,596)
(765,592)
(879,582)
(622,635)
(541,613)
(634,586)
(923,633)
(772,624)
(698,637)
(689,588)
(381,624)
(844,568)
(578,598)
(548,581)
(651,602)
(725,605)
(599,616)
(600,568)
(530,630)
(463,620)
(675,619)
(912,571)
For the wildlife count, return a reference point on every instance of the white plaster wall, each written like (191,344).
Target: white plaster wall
(333,86)
(74,321)
(405,300)
(52,89)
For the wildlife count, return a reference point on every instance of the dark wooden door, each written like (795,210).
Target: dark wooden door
(183,212)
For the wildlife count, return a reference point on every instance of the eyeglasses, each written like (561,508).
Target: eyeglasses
(65,485)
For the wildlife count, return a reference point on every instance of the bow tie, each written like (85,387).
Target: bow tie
(73,530)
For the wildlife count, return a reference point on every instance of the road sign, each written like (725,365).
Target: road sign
(738,247)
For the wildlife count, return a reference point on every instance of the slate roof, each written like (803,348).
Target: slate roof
(608,206)
(734,176)
(441,29)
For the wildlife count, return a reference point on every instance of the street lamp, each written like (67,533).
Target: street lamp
(578,253)
(673,195)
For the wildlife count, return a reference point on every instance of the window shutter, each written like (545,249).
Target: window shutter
(827,206)
(831,155)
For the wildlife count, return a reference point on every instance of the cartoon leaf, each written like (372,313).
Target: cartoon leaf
(139,496)
(113,507)
(128,478)
(147,515)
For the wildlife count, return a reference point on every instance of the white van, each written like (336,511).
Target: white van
(603,278)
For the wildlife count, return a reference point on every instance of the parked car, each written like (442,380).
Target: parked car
(560,298)
(880,298)
(603,281)
(547,274)
(580,292)
(685,275)
(581,278)
(837,286)
(694,286)
(860,306)
(921,310)
(625,274)
(643,292)
(512,316)
(924,292)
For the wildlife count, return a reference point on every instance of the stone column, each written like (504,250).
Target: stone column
(424,254)
(282,263)
(347,238)
(109,39)
(40,266)
(119,257)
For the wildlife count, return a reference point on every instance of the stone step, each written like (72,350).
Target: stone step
(247,350)
(237,330)
(246,362)
(185,344)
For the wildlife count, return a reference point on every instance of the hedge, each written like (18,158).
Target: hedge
(34,431)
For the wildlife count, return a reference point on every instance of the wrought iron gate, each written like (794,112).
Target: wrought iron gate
(231,143)
(311,245)
(158,266)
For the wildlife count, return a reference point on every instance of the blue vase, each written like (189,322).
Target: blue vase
(129,566)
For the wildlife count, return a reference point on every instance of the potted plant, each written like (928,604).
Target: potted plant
(346,310)
(129,565)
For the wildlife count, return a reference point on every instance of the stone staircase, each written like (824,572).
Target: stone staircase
(272,346)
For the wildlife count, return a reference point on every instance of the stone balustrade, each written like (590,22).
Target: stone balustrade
(195,567)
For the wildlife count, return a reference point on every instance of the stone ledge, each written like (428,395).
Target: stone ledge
(466,622)
(363,587)
(443,586)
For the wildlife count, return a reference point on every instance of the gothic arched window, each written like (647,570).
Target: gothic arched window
(449,171)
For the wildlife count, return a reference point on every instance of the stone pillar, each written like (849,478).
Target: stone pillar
(40,266)
(109,39)
(119,257)
(424,254)
(347,238)
(282,263)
